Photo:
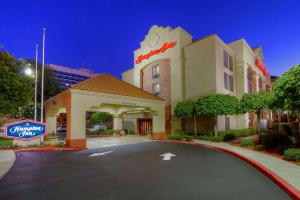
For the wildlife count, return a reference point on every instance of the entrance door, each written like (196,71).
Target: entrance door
(144,126)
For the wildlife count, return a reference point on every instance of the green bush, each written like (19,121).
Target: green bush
(180,137)
(5,143)
(177,132)
(259,147)
(282,148)
(102,131)
(229,137)
(273,141)
(247,143)
(233,134)
(287,128)
(210,138)
(60,144)
(292,154)
(132,132)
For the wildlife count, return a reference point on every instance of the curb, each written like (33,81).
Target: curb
(283,184)
(49,149)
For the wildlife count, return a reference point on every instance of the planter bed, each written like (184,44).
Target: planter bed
(268,152)
(98,135)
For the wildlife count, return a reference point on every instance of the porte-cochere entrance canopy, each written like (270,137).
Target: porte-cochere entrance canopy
(104,93)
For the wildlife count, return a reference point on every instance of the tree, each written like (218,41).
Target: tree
(101,117)
(51,84)
(27,111)
(287,87)
(15,87)
(185,110)
(256,103)
(217,104)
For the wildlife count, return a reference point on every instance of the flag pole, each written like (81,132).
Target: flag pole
(43,74)
(35,81)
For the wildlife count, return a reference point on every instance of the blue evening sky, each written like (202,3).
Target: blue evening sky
(103,34)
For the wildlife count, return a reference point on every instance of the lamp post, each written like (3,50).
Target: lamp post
(43,73)
(35,81)
(28,71)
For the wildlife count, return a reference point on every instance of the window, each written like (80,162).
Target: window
(230,63)
(228,82)
(227,123)
(156,89)
(260,84)
(231,83)
(155,71)
(227,61)
(249,77)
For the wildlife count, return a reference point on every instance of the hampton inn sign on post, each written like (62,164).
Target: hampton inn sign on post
(24,130)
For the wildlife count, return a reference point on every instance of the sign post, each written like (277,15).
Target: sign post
(26,132)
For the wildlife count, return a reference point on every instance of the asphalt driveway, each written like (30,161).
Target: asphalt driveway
(136,171)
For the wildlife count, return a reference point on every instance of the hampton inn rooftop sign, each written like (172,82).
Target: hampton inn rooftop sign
(162,49)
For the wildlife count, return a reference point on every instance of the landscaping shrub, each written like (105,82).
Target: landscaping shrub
(233,134)
(287,128)
(273,141)
(259,147)
(5,143)
(131,132)
(180,137)
(102,131)
(229,137)
(177,132)
(210,138)
(60,144)
(292,154)
(247,143)
(282,148)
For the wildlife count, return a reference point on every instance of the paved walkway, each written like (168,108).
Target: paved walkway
(7,159)
(286,170)
(100,142)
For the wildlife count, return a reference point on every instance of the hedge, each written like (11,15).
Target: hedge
(247,143)
(180,137)
(292,154)
(233,134)
(102,131)
(210,138)
(274,141)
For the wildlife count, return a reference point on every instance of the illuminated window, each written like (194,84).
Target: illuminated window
(156,89)
(155,71)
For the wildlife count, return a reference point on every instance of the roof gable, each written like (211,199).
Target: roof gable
(106,83)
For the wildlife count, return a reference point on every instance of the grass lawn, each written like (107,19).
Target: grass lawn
(4,142)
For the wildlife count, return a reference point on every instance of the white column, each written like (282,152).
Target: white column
(117,122)
(51,123)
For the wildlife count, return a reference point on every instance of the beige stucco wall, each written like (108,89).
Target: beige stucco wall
(200,68)
(128,76)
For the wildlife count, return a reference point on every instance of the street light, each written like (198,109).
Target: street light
(28,71)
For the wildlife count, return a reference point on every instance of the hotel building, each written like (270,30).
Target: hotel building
(68,77)
(173,66)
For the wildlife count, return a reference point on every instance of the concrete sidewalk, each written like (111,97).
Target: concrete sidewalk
(288,171)
(7,159)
